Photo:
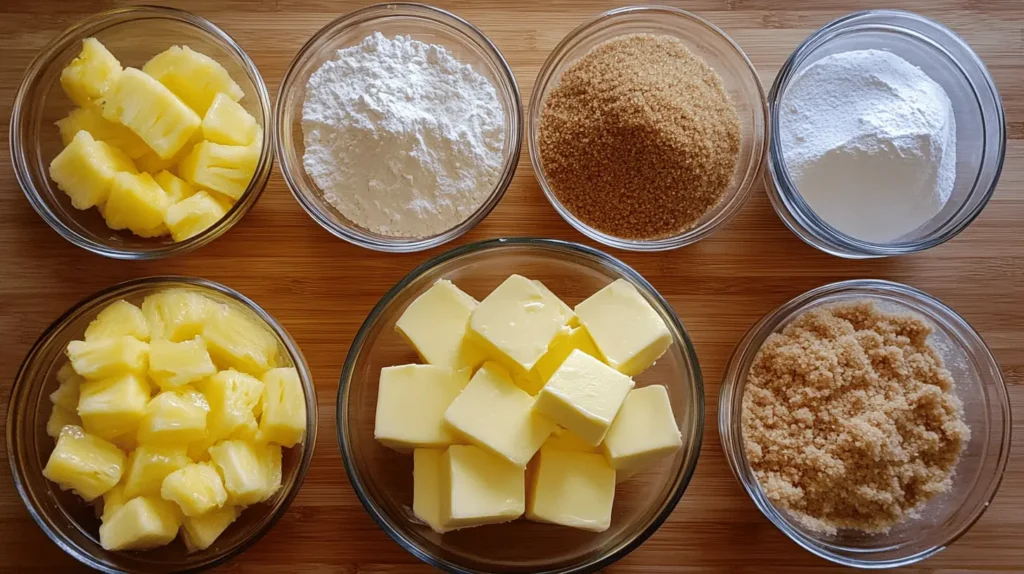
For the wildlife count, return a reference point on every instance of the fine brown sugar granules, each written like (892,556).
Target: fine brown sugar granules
(848,419)
(639,139)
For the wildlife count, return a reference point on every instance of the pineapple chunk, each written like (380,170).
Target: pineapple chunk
(136,203)
(199,532)
(238,341)
(153,112)
(103,358)
(118,319)
(91,120)
(193,77)
(85,170)
(91,74)
(176,188)
(174,418)
(61,417)
(226,169)
(112,500)
(140,524)
(193,215)
(66,394)
(252,472)
(284,408)
(148,465)
(233,397)
(84,463)
(177,314)
(174,365)
(196,489)
(112,408)
(227,122)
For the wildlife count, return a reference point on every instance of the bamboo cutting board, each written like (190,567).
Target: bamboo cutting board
(321,288)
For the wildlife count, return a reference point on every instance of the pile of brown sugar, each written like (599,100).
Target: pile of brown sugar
(848,419)
(639,139)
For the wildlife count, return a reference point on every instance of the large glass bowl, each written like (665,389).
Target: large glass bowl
(71,523)
(382,478)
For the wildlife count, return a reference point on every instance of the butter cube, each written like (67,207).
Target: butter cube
(570,488)
(584,395)
(644,431)
(435,325)
(411,403)
(479,488)
(495,414)
(567,340)
(566,310)
(426,487)
(564,439)
(626,329)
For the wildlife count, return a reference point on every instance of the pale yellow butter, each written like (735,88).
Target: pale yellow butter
(571,488)
(478,487)
(625,328)
(567,340)
(426,487)
(643,433)
(572,320)
(565,439)
(411,401)
(435,325)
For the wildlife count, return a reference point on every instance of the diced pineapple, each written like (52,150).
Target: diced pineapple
(238,341)
(176,188)
(177,314)
(227,169)
(153,112)
(112,408)
(148,465)
(101,129)
(233,397)
(118,319)
(98,359)
(90,74)
(140,524)
(284,408)
(61,417)
(195,78)
(174,365)
(84,463)
(136,203)
(196,489)
(66,394)
(193,215)
(227,122)
(200,532)
(174,418)
(112,500)
(85,170)
(252,472)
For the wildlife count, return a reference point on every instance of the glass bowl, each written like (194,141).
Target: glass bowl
(421,22)
(71,523)
(980,126)
(382,478)
(978,384)
(704,39)
(133,35)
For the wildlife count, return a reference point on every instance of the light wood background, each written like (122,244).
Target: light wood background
(321,288)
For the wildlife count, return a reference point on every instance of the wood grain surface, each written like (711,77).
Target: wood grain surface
(321,288)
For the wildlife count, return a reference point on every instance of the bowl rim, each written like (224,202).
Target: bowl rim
(99,21)
(626,271)
(726,210)
(514,130)
(127,287)
(734,383)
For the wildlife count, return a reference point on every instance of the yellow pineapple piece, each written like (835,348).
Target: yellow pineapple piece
(196,489)
(193,215)
(233,397)
(251,471)
(98,359)
(112,500)
(136,203)
(66,394)
(85,170)
(61,417)
(112,408)
(178,314)
(176,188)
(238,341)
(227,122)
(226,169)
(195,78)
(174,365)
(140,524)
(118,319)
(101,129)
(174,418)
(84,463)
(153,112)
(91,74)
(200,532)
(148,465)
(284,408)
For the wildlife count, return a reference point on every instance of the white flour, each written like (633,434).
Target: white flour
(870,142)
(402,139)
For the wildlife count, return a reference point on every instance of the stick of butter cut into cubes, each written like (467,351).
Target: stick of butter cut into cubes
(525,406)
(174,415)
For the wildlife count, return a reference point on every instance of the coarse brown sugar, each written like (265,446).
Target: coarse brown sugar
(639,139)
(848,418)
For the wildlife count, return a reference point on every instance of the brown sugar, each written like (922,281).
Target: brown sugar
(639,139)
(848,419)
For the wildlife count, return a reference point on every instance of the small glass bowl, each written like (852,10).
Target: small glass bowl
(133,35)
(977,383)
(980,126)
(72,523)
(704,39)
(421,22)
(382,478)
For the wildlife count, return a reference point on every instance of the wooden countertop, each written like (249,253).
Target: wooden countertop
(321,288)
